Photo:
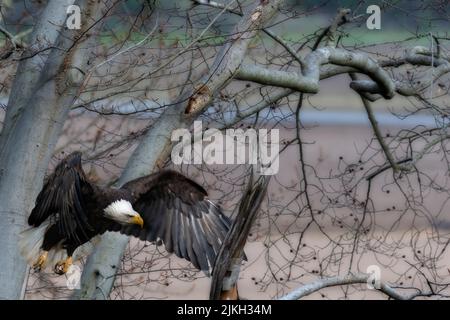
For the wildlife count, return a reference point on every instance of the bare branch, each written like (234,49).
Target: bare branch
(271,34)
(228,261)
(340,281)
(231,56)
(308,82)
(338,20)
(418,56)
(16,43)
(376,129)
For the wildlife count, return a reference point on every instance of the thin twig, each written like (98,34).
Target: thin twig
(376,129)
(10,37)
(275,37)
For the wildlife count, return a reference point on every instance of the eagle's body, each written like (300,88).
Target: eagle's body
(166,206)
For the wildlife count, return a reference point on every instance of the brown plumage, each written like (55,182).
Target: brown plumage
(165,206)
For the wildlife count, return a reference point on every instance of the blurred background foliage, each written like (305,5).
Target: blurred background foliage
(400,19)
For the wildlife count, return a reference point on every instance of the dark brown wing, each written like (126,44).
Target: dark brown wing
(63,198)
(177,211)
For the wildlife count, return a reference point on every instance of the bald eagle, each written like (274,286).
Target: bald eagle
(166,207)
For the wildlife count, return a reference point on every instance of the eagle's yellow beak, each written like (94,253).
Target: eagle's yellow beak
(138,220)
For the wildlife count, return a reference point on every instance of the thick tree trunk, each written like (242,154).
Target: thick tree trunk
(26,143)
(99,272)
(42,95)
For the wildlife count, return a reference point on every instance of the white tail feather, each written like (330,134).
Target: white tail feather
(30,244)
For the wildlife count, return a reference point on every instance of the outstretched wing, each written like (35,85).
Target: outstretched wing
(177,211)
(62,198)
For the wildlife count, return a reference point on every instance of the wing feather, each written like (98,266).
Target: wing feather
(177,211)
(63,198)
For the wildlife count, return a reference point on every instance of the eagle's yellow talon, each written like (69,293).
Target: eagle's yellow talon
(40,262)
(63,266)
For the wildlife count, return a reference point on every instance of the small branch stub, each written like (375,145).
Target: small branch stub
(201,97)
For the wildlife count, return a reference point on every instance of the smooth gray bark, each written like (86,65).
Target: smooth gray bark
(25,144)
(308,80)
(45,34)
(349,279)
(343,61)
(43,92)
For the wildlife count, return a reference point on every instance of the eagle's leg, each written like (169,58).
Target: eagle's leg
(63,266)
(51,239)
(40,262)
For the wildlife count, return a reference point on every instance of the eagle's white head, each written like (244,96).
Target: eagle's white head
(122,212)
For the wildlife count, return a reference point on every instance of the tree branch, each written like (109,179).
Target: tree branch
(308,80)
(284,44)
(376,129)
(380,85)
(9,36)
(345,280)
(419,155)
(386,167)
(227,265)
(338,20)
(231,56)
(419,56)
